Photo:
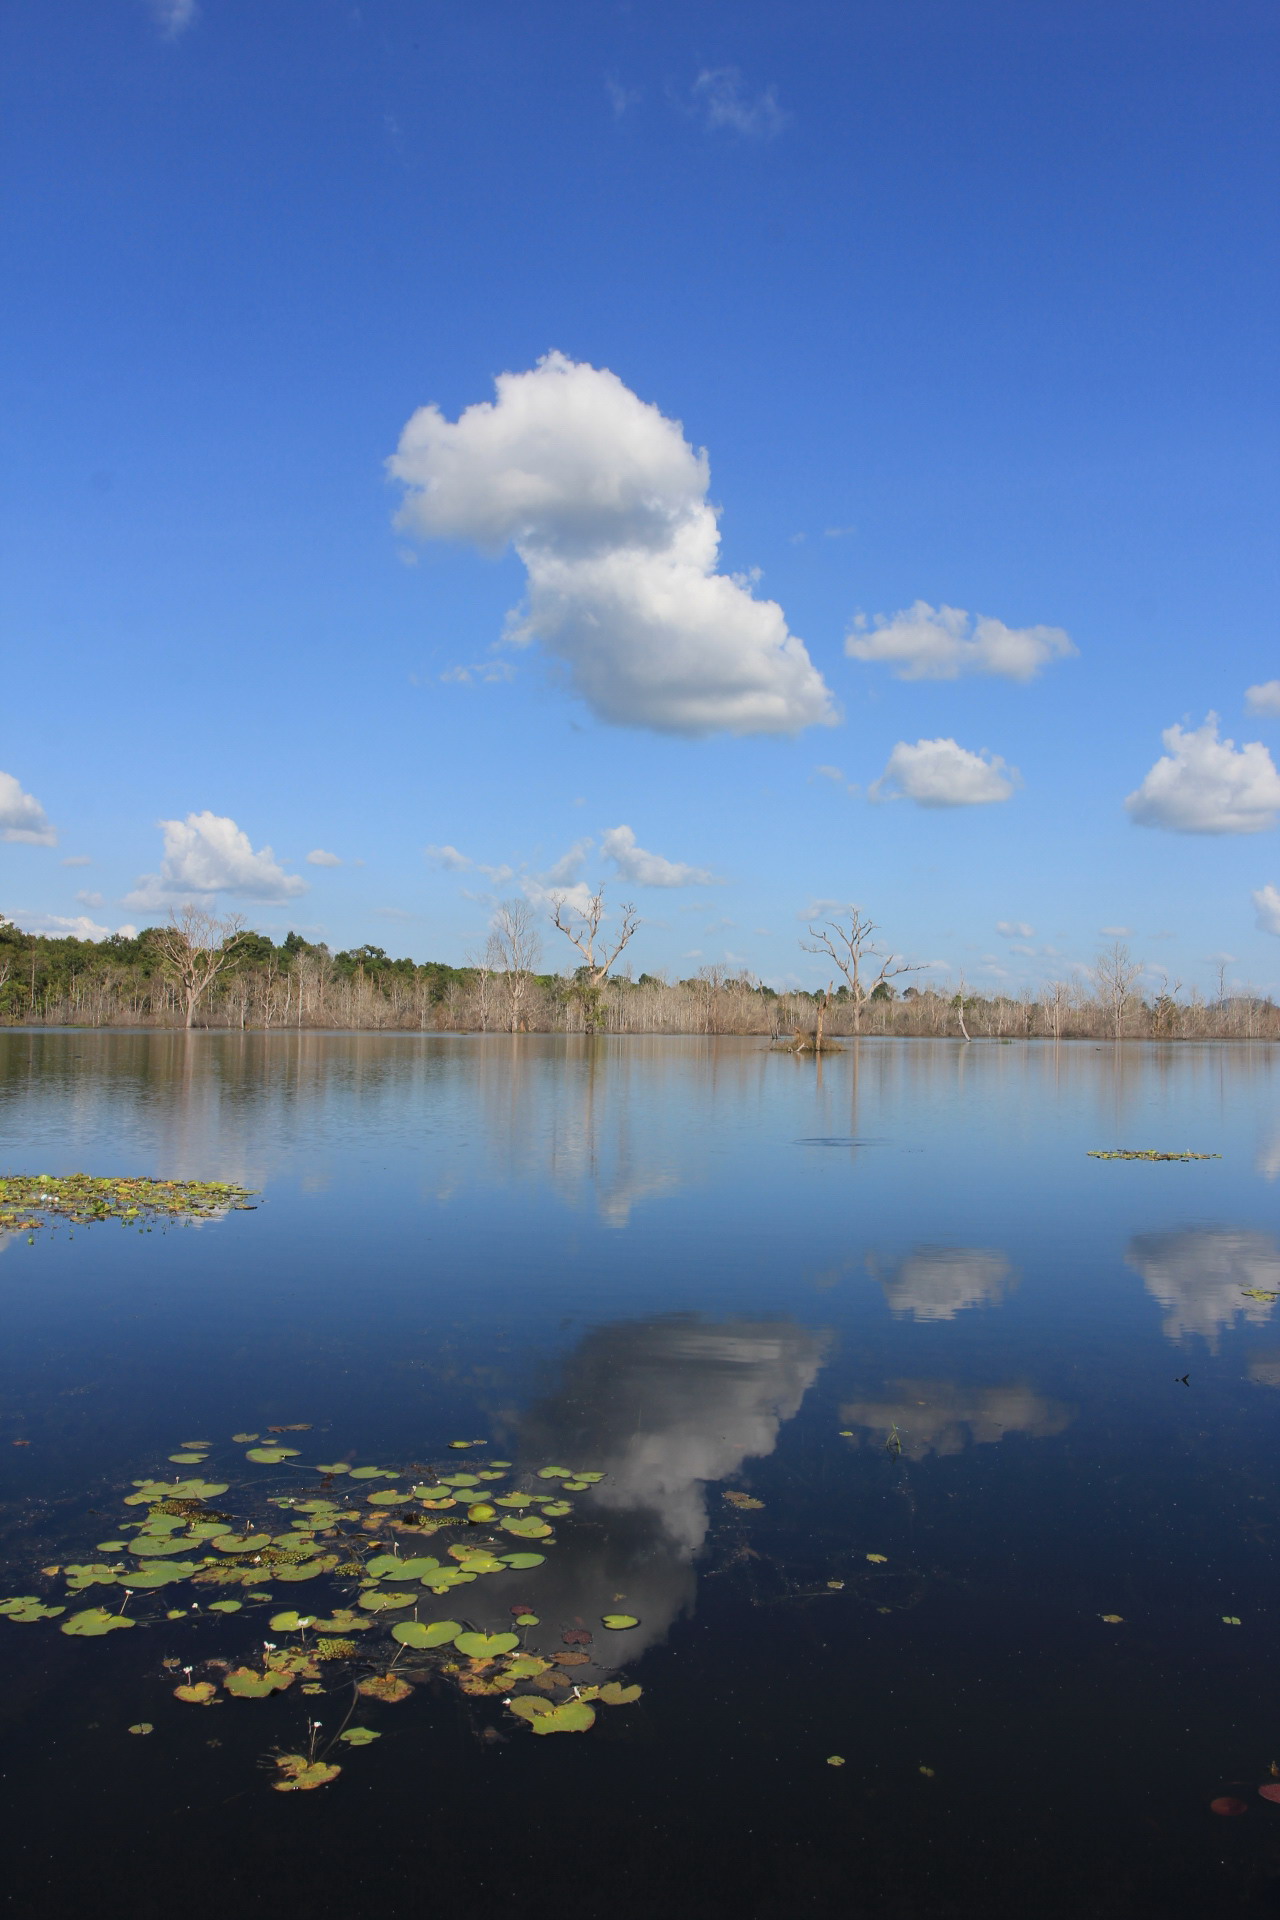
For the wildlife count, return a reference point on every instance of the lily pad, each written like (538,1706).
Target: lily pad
(379,1601)
(486,1646)
(482,1513)
(386,1687)
(112,1546)
(391,1566)
(271,1456)
(574,1716)
(592,1479)
(554,1509)
(619,1620)
(243,1439)
(201,1693)
(416,1633)
(93,1622)
(459,1479)
(245,1684)
(241,1542)
(527,1528)
(387,1498)
(520,1561)
(344,1621)
(371,1473)
(291,1622)
(187,1459)
(224,1606)
(576,1486)
(149,1491)
(555,1473)
(305,1569)
(300,1775)
(514,1500)
(160,1573)
(360,1736)
(34,1610)
(447,1577)
(614,1694)
(333,1466)
(142,1726)
(477,1560)
(147,1544)
(523,1666)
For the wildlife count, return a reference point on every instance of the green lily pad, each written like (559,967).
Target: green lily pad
(527,1528)
(388,1497)
(436,1633)
(32,1611)
(523,1666)
(513,1500)
(528,1620)
(112,1546)
(224,1606)
(495,1472)
(462,1444)
(482,1513)
(187,1459)
(619,1620)
(142,1726)
(447,1577)
(556,1508)
(150,1545)
(258,1599)
(290,1622)
(149,1491)
(201,1693)
(575,1486)
(243,1439)
(86,1575)
(334,1466)
(522,1561)
(486,1646)
(93,1622)
(245,1684)
(575,1716)
(305,1569)
(160,1573)
(271,1456)
(300,1775)
(555,1473)
(156,1523)
(206,1529)
(614,1694)
(501,1463)
(344,1621)
(314,1506)
(241,1542)
(360,1736)
(377,1600)
(459,1479)
(390,1565)
(372,1473)
(477,1559)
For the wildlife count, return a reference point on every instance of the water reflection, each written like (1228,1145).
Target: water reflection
(937,1283)
(1199,1277)
(1264,1368)
(662,1407)
(925,1417)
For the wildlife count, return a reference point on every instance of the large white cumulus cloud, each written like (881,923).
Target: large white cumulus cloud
(208,853)
(1202,784)
(605,502)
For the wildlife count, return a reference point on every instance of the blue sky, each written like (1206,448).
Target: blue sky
(970,305)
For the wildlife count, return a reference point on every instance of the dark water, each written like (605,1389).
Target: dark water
(695,1263)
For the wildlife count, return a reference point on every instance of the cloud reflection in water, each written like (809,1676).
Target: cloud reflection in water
(945,1417)
(1199,1276)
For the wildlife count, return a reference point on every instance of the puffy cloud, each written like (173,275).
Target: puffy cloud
(1264,698)
(937,1283)
(22,817)
(174,16)
(939,773)
(1267,901)
(649,869)
(719,93)
(205,854)
(1199,1276)
(88,899)
(605,502)
(1015,929)
(319,858)
(941,1417)
(1201,784)
(941,643)
(80,927)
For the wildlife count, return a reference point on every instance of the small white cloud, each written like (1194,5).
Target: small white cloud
(941,643)
(449,858)
(621,98)
(605,502)
(1116,933)
(174,16)
(1264,698)
(319,858)
(489,673)
(831,773)
(649,869)
(77,860)
(939,773)
(58,927)
(1202,784)
(570,864)
(1015,929)
(208,853)
(22,817)
(89,899)
(719,93)
(1267,901)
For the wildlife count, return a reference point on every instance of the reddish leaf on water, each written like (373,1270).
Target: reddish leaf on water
(522,1609)
(1271,1791)
(576,1637)
(1225,1804)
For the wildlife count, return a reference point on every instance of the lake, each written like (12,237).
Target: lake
(999,1421)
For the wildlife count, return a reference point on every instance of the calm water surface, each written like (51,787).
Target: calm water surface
(891,1298)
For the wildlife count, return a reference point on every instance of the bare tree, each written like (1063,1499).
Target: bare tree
(583,930)
(513,952)
(1114,974)
(194,949)
(848,938)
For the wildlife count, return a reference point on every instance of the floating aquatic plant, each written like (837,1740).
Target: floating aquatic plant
(31,1200)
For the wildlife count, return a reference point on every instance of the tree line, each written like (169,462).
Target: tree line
(202,970)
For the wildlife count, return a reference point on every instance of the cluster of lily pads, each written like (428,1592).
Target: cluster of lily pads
(373,1638)
(31,1200)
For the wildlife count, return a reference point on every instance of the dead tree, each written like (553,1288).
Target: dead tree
(583,930)
(848,938)
(194,949)
(513,951)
